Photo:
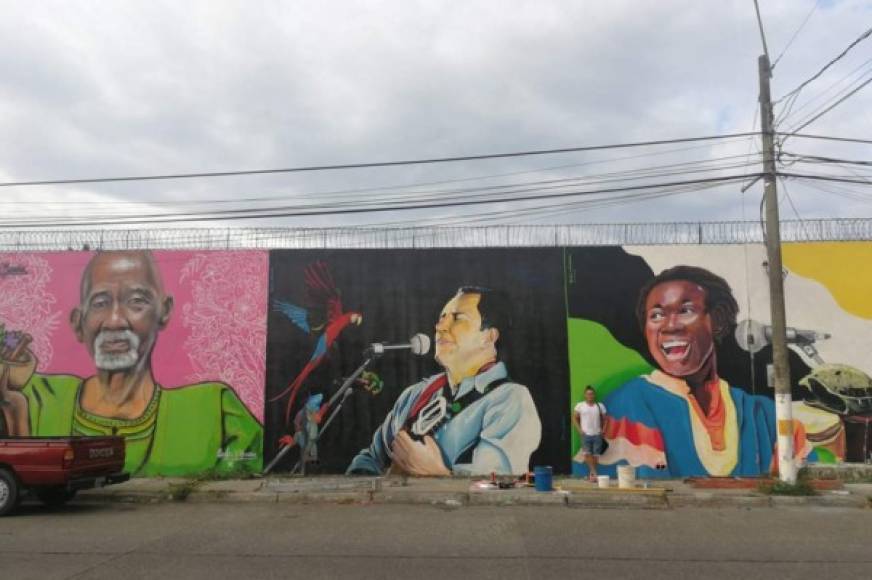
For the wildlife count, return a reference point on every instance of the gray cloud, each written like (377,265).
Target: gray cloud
(102,89)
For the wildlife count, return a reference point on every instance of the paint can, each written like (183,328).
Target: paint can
(603,481)
(626,476)
(542,475)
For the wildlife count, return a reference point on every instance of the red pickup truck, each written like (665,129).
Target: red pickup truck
(55,468)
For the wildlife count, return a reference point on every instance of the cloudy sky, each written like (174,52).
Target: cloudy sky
(103,89)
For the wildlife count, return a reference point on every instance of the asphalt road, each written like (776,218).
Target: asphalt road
(243,541)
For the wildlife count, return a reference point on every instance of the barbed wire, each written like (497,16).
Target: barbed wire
(676,233)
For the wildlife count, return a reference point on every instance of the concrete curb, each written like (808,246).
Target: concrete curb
(451,494)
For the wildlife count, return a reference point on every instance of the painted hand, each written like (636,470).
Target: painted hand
(418,458)
(13,405)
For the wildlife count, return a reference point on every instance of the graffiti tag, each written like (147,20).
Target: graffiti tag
(7,269)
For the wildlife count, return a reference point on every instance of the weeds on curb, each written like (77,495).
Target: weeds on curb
(181,491)
(802,487)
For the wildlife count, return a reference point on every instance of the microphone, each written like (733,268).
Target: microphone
(752,336)
(418,344)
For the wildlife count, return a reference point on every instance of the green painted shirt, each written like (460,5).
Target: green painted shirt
(184,431)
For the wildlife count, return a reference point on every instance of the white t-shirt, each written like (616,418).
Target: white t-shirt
(590,417)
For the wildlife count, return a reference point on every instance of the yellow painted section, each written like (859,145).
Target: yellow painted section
(844,268)
(785,428)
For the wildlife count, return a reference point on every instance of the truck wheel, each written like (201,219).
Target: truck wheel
(55,496)
(8,492)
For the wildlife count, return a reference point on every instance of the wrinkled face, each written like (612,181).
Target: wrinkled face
(459,338)
(122,310)
(678,328)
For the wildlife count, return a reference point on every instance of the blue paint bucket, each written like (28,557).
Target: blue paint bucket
(542,476)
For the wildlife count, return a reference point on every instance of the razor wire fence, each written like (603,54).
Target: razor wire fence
(677,233)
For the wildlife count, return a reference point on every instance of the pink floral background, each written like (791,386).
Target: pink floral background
(217,331)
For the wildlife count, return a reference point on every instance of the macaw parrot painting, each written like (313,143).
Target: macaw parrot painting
(323,317)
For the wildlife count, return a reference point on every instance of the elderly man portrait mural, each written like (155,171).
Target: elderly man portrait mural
(470,419)
(123,308)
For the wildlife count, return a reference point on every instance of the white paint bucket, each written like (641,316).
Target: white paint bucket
(626,476)
(603,481)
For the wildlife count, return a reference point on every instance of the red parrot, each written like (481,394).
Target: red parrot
(321,294)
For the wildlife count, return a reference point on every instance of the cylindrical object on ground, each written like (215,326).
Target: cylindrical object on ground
(603,481)
(626,476)
(543,477)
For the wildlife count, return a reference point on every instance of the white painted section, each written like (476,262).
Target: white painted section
(784,413)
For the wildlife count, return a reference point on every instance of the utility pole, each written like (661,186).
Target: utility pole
(783,399)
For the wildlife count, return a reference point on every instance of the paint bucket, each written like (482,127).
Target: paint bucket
(626,476)
(603,481)
(542,477)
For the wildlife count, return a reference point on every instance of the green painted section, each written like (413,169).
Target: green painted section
(596,358)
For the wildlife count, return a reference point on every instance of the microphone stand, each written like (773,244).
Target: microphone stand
(343,392)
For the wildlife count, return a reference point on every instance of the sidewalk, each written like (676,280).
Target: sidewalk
(457,492)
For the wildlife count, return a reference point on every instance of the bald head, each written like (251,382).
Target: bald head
(138,264)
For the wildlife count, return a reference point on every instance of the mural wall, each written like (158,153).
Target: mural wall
(489,396)
(225,361)
(165,349)
(680,360)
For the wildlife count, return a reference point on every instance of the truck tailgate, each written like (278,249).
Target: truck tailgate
(97,456)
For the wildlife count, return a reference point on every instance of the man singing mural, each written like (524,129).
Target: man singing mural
(683,419)
(471,419)
(123,307)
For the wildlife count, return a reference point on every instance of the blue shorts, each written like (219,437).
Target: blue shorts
(592,445)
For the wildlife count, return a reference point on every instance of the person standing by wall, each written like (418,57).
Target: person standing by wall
(589,418)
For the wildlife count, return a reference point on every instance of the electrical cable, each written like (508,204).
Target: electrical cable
(827,110)
(795,34)
(817,75)
(788,110)
(115,203)
(826,138)
(820,159)
(280,212)
(367,165)
(685,168)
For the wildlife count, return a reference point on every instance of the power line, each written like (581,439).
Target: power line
(828,109)
(825,138)
(795,34)
(790,201)
(681,169)
(372,164)
(712,164)
(833,178)
(446,195)
(805,83)
(788,110)
(411,187)
(820,159)
(281,212)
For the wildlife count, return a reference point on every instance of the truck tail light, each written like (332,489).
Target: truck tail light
(69,456)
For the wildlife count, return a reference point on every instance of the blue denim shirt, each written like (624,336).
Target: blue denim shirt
(501,428)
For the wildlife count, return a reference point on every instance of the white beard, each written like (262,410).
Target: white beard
(116,361)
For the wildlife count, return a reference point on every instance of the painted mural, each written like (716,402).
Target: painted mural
(439,362)
(486,396)
(675,342)
(165,349)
